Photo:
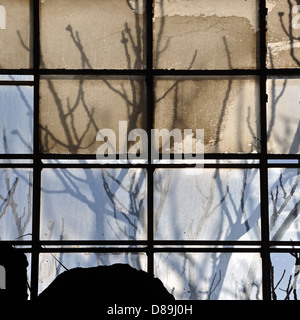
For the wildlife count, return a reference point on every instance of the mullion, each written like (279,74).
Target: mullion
(265,254)
(150,119)
(36,156)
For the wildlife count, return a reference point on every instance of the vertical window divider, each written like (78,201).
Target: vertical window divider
(265,254)
(150,118)
(37,165)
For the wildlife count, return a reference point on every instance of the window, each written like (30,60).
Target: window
(226,228)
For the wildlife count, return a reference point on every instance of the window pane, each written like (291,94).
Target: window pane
(50,268)
(16,121)
(284,204)
(211,276)
(227,110)
(211,204)
(283,34)
(283,115)
(285,276)
(93,204)
(74,109)
(15,204)
(92,34)
(205,34)
(15,34)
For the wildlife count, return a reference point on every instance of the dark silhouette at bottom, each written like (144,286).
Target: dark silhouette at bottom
(13,274)
(117,283)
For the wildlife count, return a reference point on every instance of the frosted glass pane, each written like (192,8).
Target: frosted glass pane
(284,204)
(285,276)
(283,23)
(283,115)
(207,204)
(74,109)
(226,109)
(93,204)
(16,121)
(15,204)
(50,268)
(92,34)
(205,34)
(15,34)
(211,276)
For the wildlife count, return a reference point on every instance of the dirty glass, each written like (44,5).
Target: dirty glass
(211,276)
(205,34)
(283,115)
(227,109)
(16,121)
(206,204)
(15,34)
(92,34)
(74,109)
(283,32)
(284,204)
(52,264)
(16,204)
(93,204)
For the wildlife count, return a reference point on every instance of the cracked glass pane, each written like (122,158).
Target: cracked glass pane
(16,121)
(16,34)
(283,32)
(205,34)
(74,109)
(92,34)
(16,204)
(211,276)
(206,204)
(227,109)
(93,204)
(283,115)
(284,204)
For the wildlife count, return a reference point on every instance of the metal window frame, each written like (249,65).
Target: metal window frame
(151,246)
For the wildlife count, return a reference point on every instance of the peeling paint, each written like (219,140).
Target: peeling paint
(277,47)
(205,42)
(220,8)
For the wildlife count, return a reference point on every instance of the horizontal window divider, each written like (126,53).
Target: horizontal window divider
(283,72)
(16,83)
(16,242)
(284,243)
(12,156)
(154,72)
(17,71)
(16,165)
(282,165)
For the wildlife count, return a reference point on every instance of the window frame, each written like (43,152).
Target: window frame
(151,246)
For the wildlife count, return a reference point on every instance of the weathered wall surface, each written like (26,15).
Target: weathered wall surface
(91,34)
(16,39)
(73,110)
(200,35)
(227,110)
